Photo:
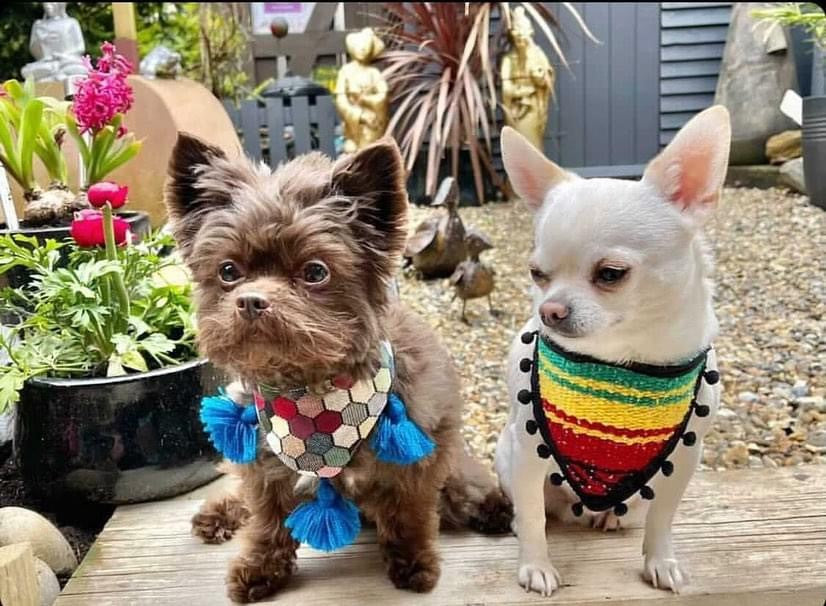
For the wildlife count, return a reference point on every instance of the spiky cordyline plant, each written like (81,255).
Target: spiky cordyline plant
(440,71)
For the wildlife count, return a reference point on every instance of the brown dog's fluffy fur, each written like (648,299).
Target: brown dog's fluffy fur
(352,216)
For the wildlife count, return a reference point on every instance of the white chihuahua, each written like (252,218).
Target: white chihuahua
(613,381)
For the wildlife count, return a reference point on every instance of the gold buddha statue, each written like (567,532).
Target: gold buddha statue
(527,81)
(362,98)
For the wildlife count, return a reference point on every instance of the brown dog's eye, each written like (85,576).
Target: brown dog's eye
(608,276)
(315,272)
(229,272)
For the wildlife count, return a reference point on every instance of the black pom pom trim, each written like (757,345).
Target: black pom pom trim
(527,337)
(525,364)
(667,468)
(711,377)
(524,396)
(543,451)
(577,509)
(647,493)
(557,479)
(690,438)
(531,426)
(701,410)
(620,509)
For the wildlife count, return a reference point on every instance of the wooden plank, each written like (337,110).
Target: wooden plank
(694,35)
(232,112)
(648,67)
(250,127)
(692,52)
(597,78)
(690,68)
(326,121)
(682,103)
(18,577)
(301,124)
(275,120)
(678,5)
(752,537)
(696,17)
(682,86)
(675,120)
(571,92)
(623,78)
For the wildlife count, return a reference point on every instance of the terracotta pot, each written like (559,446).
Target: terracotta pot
(116,440)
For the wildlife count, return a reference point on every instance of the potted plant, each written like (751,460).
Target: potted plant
(811,18)
(441,75)
(36,127)
(102,365)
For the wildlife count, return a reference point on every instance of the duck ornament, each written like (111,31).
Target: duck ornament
(472,278)
(438,245)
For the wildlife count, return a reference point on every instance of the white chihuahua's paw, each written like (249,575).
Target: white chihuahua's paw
(539,576)
(607,521)
(665,573)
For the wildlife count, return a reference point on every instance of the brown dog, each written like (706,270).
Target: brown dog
(315,244)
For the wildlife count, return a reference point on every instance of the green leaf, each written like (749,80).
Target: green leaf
(115,367)
(134,360)
(118,159)
(157,343)
(26,137)
(11,382)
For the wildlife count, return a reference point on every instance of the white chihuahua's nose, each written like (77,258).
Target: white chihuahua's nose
(552,313)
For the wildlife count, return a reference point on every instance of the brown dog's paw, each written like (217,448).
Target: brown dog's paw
(218,520)
(419,573)
(253,579)
(494,516)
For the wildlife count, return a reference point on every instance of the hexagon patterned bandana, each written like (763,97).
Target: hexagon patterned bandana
(318,434)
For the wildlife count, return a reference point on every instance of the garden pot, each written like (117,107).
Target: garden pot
(814,149)
(18,276)
(465,182)
(116,440)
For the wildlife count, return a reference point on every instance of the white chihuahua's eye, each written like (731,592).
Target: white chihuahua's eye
(315,272)
(539,276)
(609,276)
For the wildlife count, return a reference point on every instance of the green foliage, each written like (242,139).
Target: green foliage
(69,326)
(806,15)
(174,25)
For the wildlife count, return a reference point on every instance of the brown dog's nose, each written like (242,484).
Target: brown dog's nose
(251,305)
(552,312)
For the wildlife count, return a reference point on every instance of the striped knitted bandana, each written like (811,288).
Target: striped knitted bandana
(609,427)
(316,434)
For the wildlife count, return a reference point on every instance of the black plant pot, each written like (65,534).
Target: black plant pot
(16,277)
(116,440)
(467,187)
(814,149)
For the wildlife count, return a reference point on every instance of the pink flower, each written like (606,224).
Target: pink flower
(106,191)
(104,92)
(87,229)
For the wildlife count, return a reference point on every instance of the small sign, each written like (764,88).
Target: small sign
(297,15)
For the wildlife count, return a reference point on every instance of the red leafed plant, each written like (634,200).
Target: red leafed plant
(441,73)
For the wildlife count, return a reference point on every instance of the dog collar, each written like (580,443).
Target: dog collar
(609,427)
(318,434)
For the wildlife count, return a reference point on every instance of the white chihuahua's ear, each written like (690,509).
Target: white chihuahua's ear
(690,171)
(530,172)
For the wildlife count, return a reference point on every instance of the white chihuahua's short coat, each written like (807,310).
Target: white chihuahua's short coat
(622,274)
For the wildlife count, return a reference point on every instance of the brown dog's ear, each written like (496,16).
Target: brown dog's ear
(193,189)
(374,180)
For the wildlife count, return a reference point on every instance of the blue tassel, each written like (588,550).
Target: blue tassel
(327,523)
(396,438)
(231,428)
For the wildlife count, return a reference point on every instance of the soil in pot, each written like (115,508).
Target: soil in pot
(16,277)
(116,440)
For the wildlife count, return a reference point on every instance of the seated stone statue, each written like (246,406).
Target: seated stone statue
(361,92)
(57,45)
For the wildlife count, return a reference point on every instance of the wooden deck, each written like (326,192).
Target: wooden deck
(748,538)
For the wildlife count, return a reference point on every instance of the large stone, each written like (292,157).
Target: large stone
(761,176)
(784,146)
(754,75)
(18,525)
(791,175)
(47,583)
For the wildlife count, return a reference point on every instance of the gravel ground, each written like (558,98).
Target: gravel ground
(771,301)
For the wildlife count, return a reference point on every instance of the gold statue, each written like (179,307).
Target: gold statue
(527,81)
(362,97)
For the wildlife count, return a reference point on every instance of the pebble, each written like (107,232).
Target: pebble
(817,439)
(770,299)
(800,389)
(18,525)
(47,583)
